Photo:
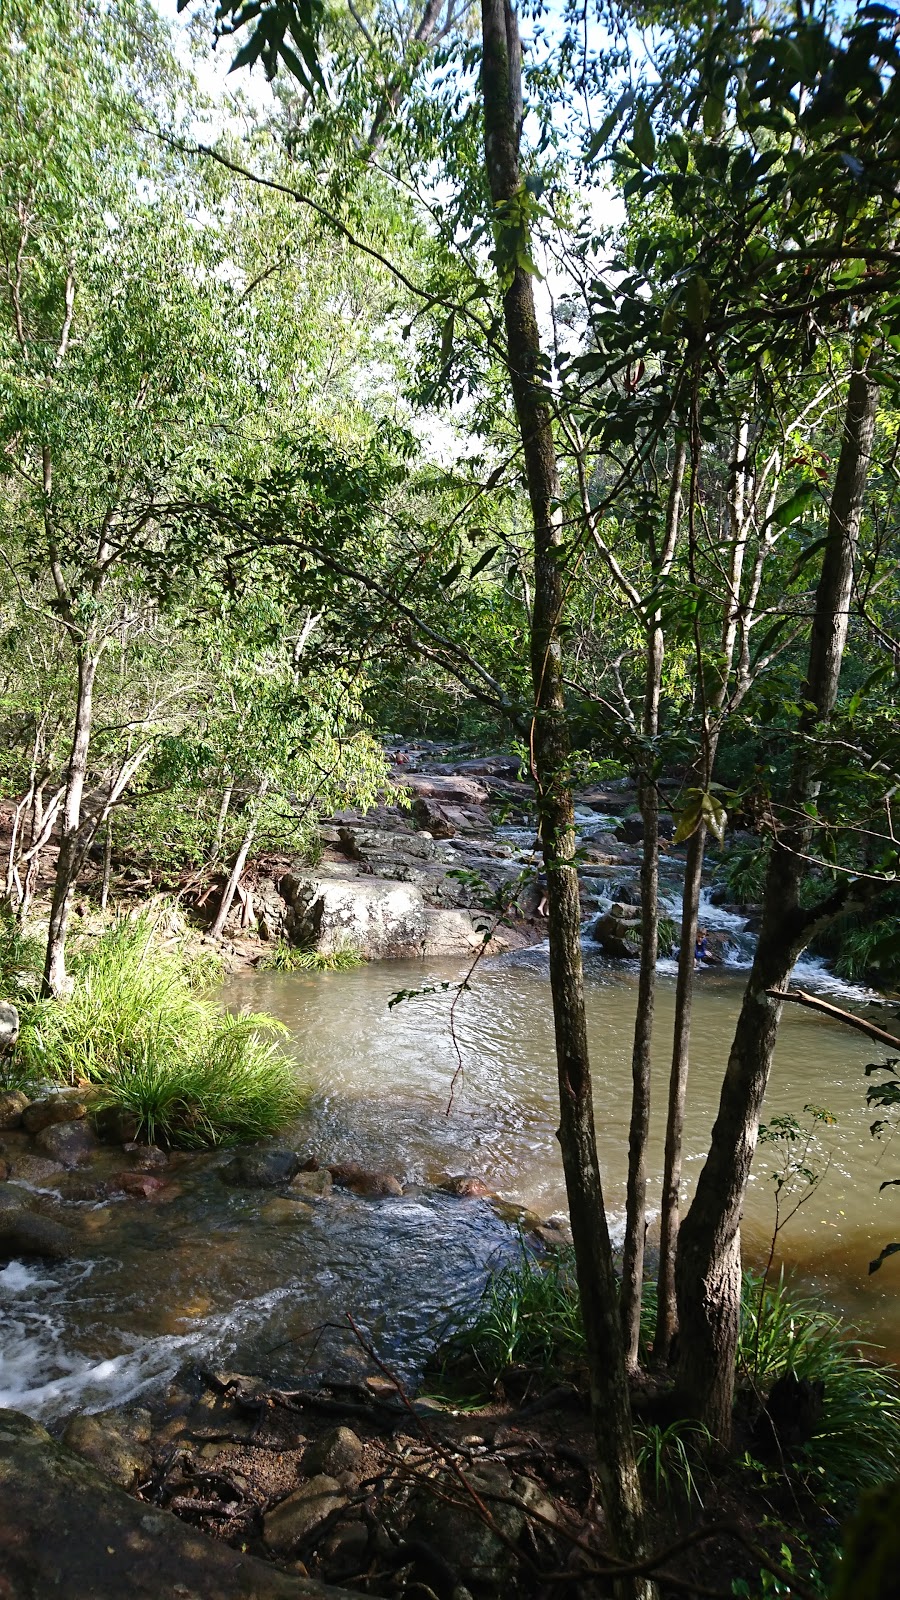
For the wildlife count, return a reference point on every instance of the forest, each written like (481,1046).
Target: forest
(450,512)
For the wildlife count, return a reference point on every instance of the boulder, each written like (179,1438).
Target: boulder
(9,1025)
(465,1187)
(70,1143)
(67,1533)
(617,935)
(381,918)
(112,1441)
(115,1125)
(39,1170)
(54,1108)
(281,1209)
(301,1513)
(12,1104)
(313,1185)
(373,1185)
(146,1157)
(140,1185)
(27,1233)
(261,1169)
(449,788)
(340,1450)
(459,1534)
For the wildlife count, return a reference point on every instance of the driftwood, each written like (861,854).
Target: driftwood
(837,1015)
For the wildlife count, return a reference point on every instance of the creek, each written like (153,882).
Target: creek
(209,1274)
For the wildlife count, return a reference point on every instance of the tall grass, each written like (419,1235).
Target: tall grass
(139,1026)
(294,958)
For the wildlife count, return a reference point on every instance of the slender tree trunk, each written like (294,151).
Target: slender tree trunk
(708,1263)
(107,864)
(221,819)
(641,1062)
(501,89)
(666,1313)
(69,860)
(240,862)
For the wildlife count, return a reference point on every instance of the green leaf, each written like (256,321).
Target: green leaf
(643,139)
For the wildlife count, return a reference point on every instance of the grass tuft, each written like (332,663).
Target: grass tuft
(139,1026)
(292,958)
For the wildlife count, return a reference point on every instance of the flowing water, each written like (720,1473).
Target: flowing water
(217,1274)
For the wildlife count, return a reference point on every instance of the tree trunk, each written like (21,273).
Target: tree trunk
(708,1263)
(221,819)
(501,89)
(666,1313)
(107,865)
(641,1063)
(240,862)
(69,859)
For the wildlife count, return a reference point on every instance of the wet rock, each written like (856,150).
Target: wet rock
(146,1157)
(67,1533)
(9,1025)
(298,1516)
(26,1233)
(284,1210)
(4,1170)
(115,1125)
(39,1170)
(12,1104)
(261,1169)
(372,1185)
(450,789)
(465,1187)
(140,1185)
(316,1185)
(113,1442)
(70,1143)
(55,1108)
(459,1535)
(617,934)
(338,1451)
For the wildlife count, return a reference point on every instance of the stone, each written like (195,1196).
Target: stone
(112,1443)
(375,1185)
(301,1513)
(27,1233)
(465,1187)
(55,1108)
(146,1157)
(450,789)
(141,1185)
(282,1209)
(70,1143)
(316,1185)
(261,1169)
(9,1025)
(338,1451)
(4,1170)
(12,1103)
(68,1533)
(459,1534)
(39,1170)
(115,1125)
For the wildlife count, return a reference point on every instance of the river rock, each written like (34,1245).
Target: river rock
(261,1169)
(67,1533)
(281,1209)
(451,789)
(9,1025)
(465,1187)
(381,918)
(460,1535)
(12,1104)
(115,1125)
(27,1233)
(70,1143)
(302,1512)
(617,934)
(113,1442)
(340,1450)
(39,1170)
(54,1108)
(315,1185)
(140,1185)
(146,1157)
(373,1185)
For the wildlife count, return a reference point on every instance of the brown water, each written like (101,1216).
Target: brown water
(214,1275)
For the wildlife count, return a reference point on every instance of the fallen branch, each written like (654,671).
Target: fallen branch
(801,998)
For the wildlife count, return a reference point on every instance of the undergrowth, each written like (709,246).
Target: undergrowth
(140,1027)
(529,1318)
(293,958)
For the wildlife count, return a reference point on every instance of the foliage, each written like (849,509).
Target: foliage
(670,1458)
(290,958)
(528,1316)
(744,874)
(137,1026)
(856,1440)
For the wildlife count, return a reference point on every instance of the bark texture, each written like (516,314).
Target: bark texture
(708,1261)
(501,88)
(69,859)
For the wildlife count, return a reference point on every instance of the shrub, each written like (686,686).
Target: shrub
(138,1025)
(529,1316)
(292,958)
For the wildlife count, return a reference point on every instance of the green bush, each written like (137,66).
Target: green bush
(139,1026)
(529,1316)
(292,958)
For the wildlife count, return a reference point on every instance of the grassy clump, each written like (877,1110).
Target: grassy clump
(139,1026)
(529,1317)
(293,958)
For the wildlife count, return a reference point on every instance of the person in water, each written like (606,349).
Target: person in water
(703,956)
